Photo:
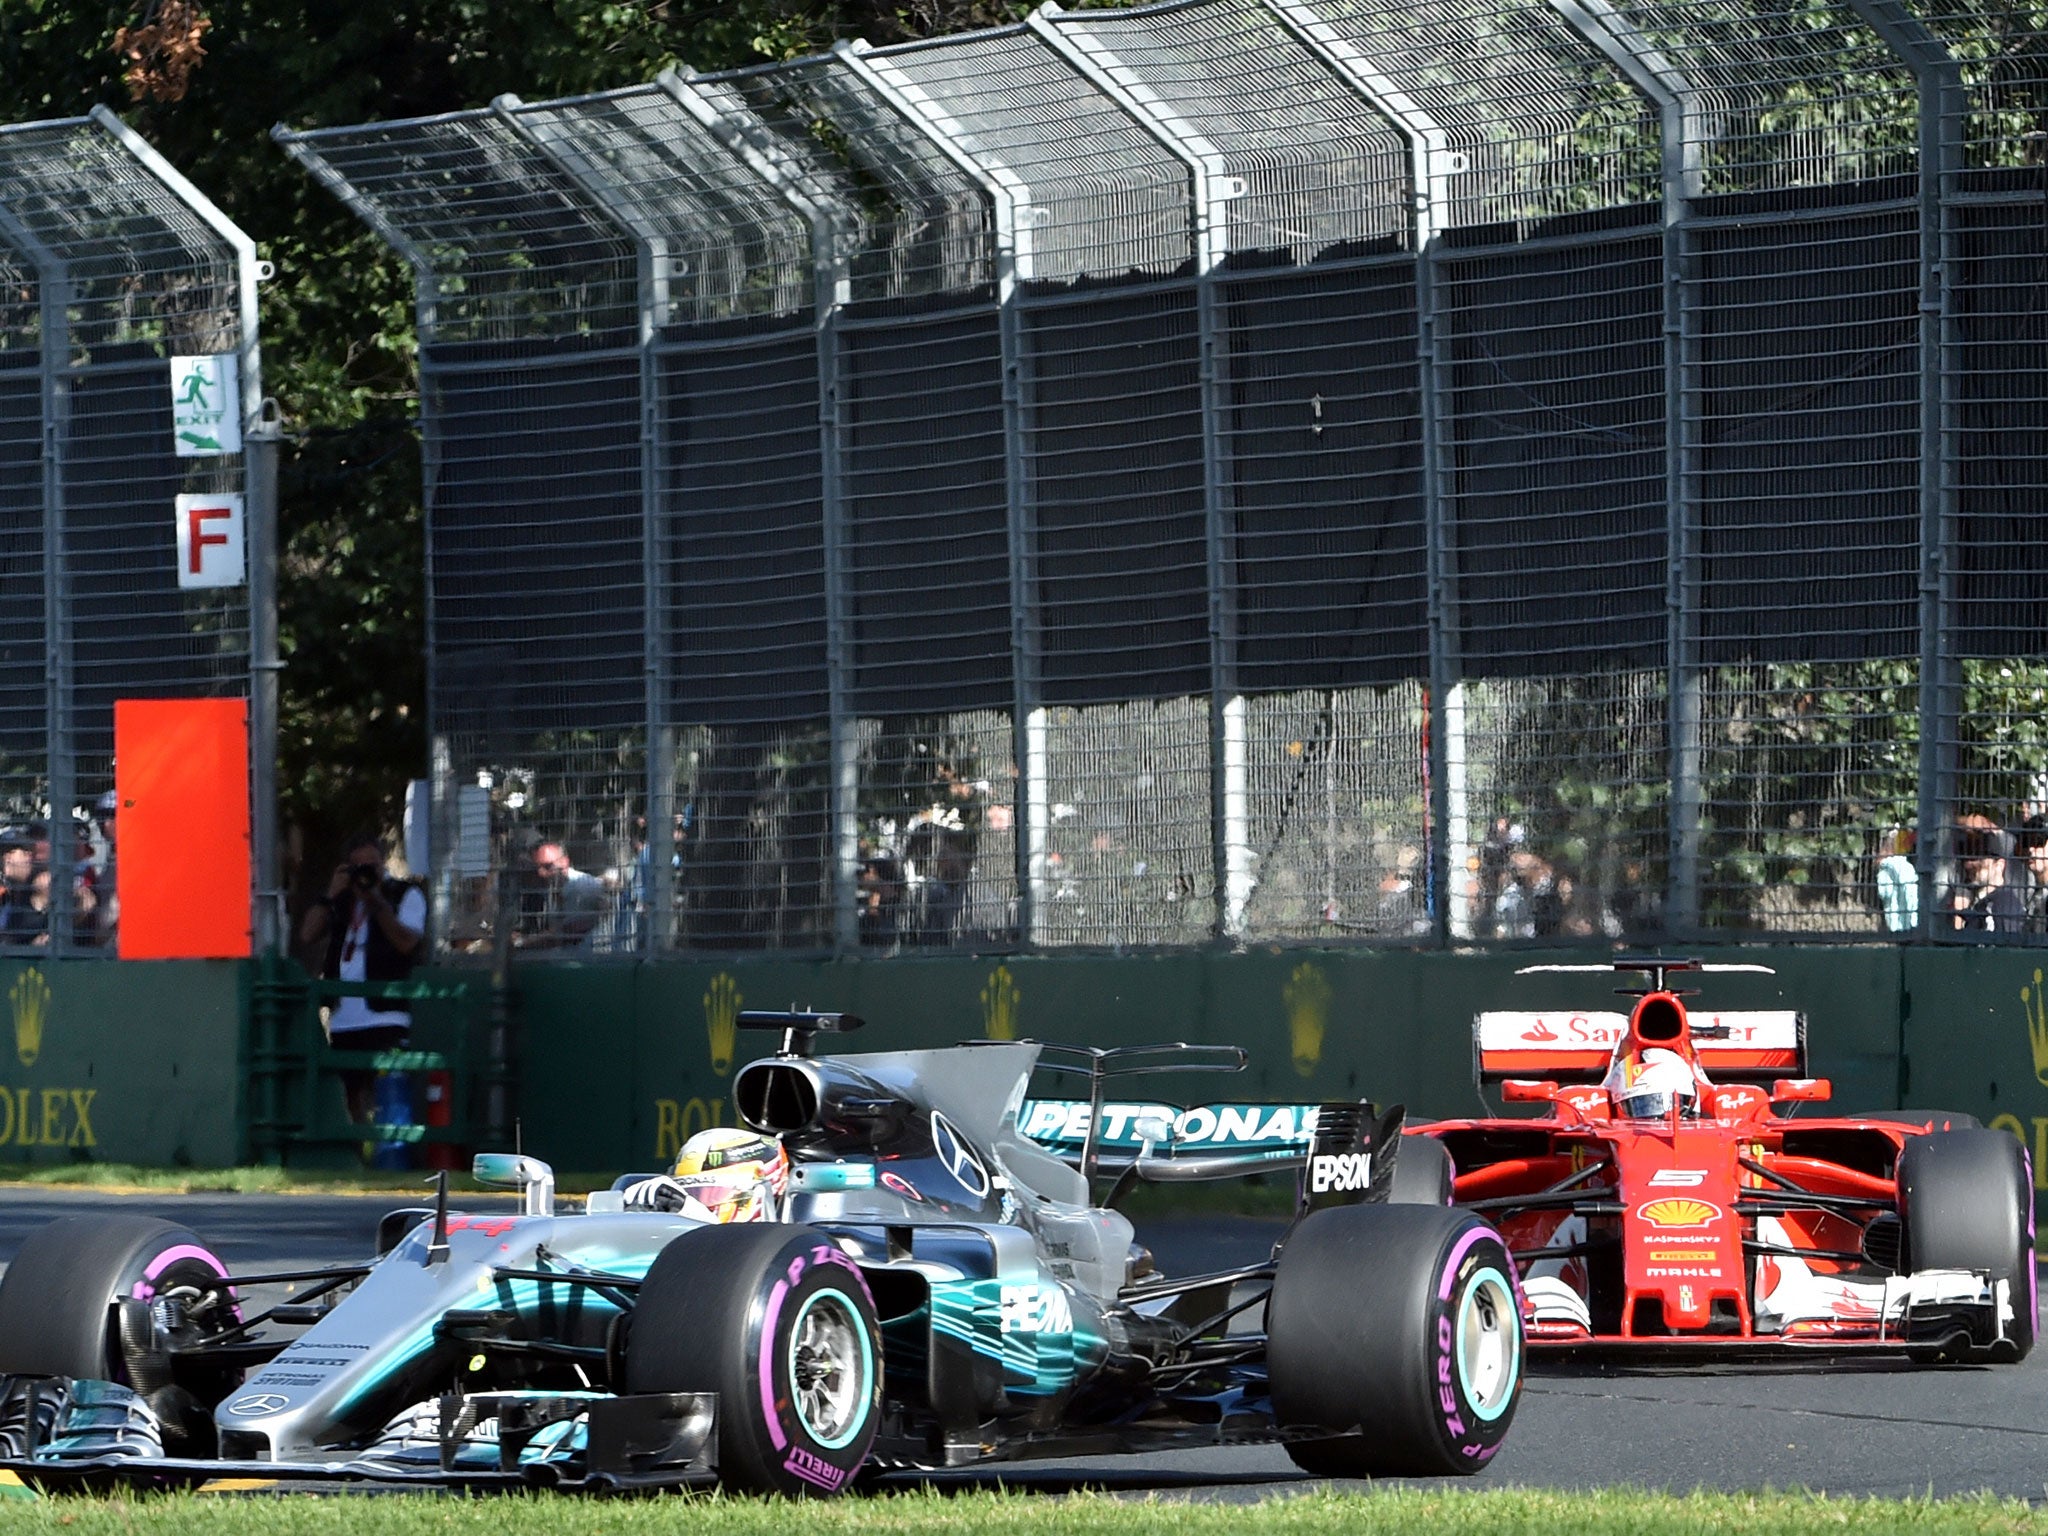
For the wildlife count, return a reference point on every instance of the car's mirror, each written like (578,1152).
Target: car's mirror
(509,1170)
(1522,1090)
(1802,1090)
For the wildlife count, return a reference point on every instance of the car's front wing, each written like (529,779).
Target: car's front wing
(59,1433)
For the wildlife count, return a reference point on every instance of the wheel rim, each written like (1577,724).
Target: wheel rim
(1489,1343)
(830,1370)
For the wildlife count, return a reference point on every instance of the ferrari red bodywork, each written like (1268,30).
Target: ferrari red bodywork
(1726,1223)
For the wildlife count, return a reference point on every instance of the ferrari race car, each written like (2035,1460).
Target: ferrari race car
(1668,1195)
(892,1278)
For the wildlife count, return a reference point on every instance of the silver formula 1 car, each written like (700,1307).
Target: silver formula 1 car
(932,1289)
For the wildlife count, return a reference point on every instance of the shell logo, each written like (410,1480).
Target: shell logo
(1678,1213)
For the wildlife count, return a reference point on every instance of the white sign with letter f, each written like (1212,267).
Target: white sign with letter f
(210,541)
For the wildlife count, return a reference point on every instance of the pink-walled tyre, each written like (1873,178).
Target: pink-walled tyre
(1394,1342)
(779,1323)
(76,1302)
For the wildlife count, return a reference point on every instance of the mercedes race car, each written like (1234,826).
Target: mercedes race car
(878,1273)
(1668,1195)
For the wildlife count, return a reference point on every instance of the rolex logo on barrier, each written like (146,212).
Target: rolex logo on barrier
(721,1020)
(2034,1003)
(1000,1001)
(30,1000)
(1307,997)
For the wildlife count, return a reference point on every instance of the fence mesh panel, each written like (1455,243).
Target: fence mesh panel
(1107,201)
(1053,462)
(1542,125)
(24,701)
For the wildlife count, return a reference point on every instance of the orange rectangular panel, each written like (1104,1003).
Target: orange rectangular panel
(181,771)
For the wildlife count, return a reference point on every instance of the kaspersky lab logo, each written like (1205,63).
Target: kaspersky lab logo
(29,999)
(1000,1003)
(721,1020)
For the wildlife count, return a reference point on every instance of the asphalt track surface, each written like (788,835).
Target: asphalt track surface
(1871,1429)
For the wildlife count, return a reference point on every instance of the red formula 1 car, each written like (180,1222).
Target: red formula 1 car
(1660,1201)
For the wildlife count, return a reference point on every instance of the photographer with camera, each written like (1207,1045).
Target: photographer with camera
(374,927)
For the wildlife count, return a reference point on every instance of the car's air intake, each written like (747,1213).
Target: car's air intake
(777,1097)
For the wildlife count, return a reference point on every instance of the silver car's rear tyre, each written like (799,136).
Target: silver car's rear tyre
(1398,1330)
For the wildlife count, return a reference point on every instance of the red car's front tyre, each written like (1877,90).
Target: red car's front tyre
(1966,1201)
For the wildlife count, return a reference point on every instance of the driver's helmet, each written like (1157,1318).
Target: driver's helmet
(1646,1087)
(736,1175)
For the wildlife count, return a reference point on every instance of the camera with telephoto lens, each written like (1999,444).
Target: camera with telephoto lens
(363,876)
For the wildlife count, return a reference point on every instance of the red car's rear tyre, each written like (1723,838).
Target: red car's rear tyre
(1422,1172)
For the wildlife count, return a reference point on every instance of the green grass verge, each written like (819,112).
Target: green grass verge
(1390,1512)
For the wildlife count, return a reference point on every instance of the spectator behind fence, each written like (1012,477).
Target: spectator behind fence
(21,923)
(880,893)
(374,927)
(938,856)
(106,869)
(1898,882)
(2033,851)
(576,901)
(1988,903)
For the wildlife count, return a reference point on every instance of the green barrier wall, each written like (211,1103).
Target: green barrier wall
(618,1065)
(1976,1039)
(135,1062)
(146,1061)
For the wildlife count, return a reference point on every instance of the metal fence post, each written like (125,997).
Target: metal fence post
(1680,132)
(1942,104)
(1009,199)
(261,440)
(1213,188)
(832,285)
(1432,161)
(651,252)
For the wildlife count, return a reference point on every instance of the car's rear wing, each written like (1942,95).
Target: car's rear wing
(1566,1047)
(1123,1129)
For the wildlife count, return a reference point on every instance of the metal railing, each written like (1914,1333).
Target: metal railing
(1243,470)
(112,265)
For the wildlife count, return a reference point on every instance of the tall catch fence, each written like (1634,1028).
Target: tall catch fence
(1259,470)
(116,277)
